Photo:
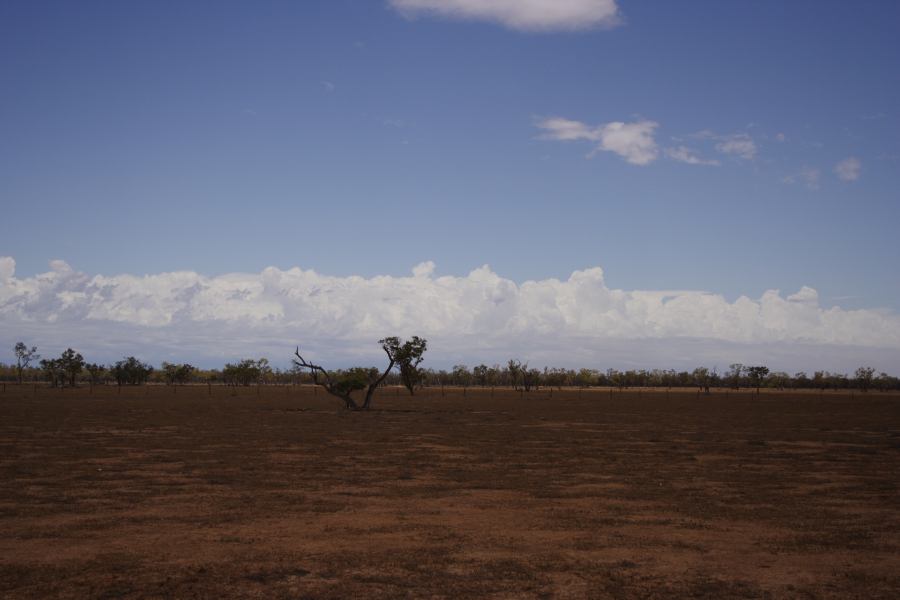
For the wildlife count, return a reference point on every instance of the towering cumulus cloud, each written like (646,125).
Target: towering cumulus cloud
(560,320)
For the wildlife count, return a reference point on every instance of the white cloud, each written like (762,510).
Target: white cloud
(523,15)
(740,145)
(7,268)
(424,269)
(808,176)
(780,137)
(479,316)
(848,169)
(328,86)
(632,141)
(686,155)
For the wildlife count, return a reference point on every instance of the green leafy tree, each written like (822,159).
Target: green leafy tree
(244,372)
(24,357)
(177,373)
(756,375)
(407,356)
(864,376)
(531,378)
(54,371)
(555,377)
(778,380)
(585,378)
(131,371)
(514,372)
(734,375)
(461,375)
(481,373)
(265,370)
(72,363)
(701,378)
(95,371)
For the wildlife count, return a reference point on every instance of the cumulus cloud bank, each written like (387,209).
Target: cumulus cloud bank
(525,15)
(480,314)
(632,141)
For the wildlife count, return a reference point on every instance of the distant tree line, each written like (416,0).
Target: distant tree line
(405,358)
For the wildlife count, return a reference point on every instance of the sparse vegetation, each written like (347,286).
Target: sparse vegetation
(408,372)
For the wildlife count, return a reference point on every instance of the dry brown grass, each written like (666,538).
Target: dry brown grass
(284,495)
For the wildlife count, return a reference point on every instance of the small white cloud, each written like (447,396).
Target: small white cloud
(686,155)
(848,169)
(808,176)
(328,86)
(523,15)
(632,141)
(780,137)
(740,145)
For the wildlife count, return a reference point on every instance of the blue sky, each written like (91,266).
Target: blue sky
(356,138)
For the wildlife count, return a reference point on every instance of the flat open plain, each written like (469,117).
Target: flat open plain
(275,493)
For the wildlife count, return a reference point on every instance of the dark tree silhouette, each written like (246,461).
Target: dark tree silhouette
(343,383)
(177,373)
(756,375)
(24,356)
(131,371)
(864,376)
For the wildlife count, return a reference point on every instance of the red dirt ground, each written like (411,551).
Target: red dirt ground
(279,494)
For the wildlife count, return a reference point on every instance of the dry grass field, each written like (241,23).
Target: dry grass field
(279,494)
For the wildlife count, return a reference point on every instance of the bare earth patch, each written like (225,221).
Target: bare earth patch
(280,494)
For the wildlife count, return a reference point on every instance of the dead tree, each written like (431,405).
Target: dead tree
(343,383)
